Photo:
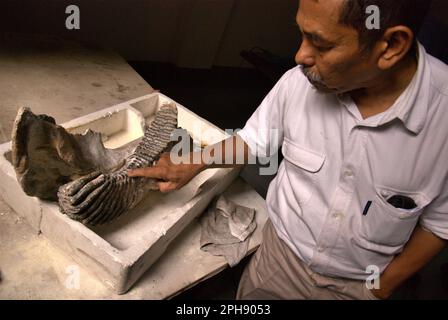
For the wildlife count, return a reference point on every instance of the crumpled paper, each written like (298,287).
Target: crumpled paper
(226,229)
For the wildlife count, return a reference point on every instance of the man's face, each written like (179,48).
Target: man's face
(330,54)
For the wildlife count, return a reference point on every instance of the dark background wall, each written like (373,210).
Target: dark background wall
(188,33)
(434,34)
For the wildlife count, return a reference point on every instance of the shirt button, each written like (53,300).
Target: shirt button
(337,215)
(348,174)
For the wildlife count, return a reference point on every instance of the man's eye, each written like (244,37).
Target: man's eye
(323,49)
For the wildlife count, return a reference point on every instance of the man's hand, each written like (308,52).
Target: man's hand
(383,293)
(175,176)
(421,248)
(172,176)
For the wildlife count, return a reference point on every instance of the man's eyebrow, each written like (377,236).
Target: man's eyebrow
(315,37)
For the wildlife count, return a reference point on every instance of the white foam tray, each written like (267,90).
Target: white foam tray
(121,252)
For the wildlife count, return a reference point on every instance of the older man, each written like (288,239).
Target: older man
(362,122)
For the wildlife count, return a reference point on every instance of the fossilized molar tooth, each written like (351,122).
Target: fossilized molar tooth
(45,156)
(100,197)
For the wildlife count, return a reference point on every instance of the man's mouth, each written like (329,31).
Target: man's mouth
(315,79)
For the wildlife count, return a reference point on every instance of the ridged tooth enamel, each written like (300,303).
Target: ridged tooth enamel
(98,199)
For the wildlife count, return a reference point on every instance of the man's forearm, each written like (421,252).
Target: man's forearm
(228,153)
(422,247)
(174,172)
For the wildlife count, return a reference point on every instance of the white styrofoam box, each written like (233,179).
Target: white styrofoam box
(27,207)
(202,131)
(119,253)
(117,125)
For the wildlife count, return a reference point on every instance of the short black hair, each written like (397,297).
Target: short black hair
(409,13)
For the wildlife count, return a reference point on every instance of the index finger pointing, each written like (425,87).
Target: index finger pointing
(150,172)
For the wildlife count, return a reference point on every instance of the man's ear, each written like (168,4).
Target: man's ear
(394,45)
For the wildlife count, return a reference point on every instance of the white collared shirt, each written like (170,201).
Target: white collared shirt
(336,163)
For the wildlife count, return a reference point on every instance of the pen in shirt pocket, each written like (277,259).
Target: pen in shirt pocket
(397,201)
(367,207)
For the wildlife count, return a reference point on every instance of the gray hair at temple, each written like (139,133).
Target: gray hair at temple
(409,13)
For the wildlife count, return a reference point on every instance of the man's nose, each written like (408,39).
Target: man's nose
(305,55)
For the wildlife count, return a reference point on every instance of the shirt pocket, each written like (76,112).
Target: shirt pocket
(385,225)
(302,168)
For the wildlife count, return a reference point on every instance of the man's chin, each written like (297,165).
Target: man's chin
(323,88)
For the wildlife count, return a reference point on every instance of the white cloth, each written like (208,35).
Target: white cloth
(226,229)
(336,162)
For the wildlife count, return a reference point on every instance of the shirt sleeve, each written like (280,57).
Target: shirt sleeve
(435,217)
(263,132)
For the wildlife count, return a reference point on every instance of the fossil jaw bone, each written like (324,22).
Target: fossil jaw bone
(101,197)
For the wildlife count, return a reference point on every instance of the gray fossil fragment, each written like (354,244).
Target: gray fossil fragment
(45,156)
(102,196)
(89,181)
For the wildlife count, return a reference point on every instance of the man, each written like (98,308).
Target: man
(362,122)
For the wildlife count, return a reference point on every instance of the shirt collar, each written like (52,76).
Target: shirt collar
(410,108)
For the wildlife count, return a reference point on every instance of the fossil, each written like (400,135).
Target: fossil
(101,197)
(89,181)
(45,156)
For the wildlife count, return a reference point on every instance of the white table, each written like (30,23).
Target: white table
(66,81)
